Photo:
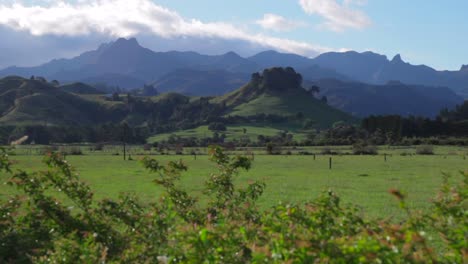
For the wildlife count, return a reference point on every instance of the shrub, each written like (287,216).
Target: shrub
(362,148)
(217,126)
(75,150)
(272,149)
(98,147)
(425,150)
(147,147)
(227,227)
(328,151)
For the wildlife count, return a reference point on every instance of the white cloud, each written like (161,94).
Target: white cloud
(338,17)
(355,2)
(123,18)
(278,23)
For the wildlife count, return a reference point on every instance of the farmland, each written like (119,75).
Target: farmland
(360,180)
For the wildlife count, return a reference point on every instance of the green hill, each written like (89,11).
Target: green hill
(278,91)
(36,102)
(272,102)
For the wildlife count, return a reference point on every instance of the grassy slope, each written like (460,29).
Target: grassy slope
(244,102)
(29,102)
(361,180)
(290,104)
(251,99)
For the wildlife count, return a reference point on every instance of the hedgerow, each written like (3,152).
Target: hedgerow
(226,227)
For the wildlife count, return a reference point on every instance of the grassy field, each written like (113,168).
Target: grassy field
(360,180)
(232,132)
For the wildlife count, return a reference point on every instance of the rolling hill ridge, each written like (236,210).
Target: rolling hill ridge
(33,102)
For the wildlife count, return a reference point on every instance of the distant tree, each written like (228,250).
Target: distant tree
(363,148)
(55,83)
(115,97)
(324,99)
(149,90)
(308,124)
(256,78)
(217,126)
(311,135)
(272,149)
(299,115)
(269,148)
(314,90)
(129,98)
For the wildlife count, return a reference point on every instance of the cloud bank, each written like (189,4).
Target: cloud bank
(338,17)
(123,18)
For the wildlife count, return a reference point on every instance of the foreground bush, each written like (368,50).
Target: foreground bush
(227,227)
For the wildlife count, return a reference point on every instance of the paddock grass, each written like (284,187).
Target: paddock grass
(234,132)
(360,180)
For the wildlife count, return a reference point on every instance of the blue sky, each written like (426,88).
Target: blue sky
(423,32)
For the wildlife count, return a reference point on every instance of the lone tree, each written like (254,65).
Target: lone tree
(115,96)
(217,126)
(324,99)
(55,83)
(314,90)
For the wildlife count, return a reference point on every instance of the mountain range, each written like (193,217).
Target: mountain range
(359,83)
(393,98)
(131,64)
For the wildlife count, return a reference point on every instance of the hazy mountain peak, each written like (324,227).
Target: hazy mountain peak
(397,59)
(268,52)
(464,68)
(103,46)
(126,43)
(231,54)
(371,53)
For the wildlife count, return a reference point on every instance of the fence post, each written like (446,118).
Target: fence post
(330,163)
(124,151)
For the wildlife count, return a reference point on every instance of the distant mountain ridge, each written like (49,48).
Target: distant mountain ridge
(200,82)
(126,57)
(126,63)
(361,99)
(374,68)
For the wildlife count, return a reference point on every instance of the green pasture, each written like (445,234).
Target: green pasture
(360,180)
(233,132)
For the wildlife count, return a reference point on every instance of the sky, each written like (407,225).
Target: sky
(433,32)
